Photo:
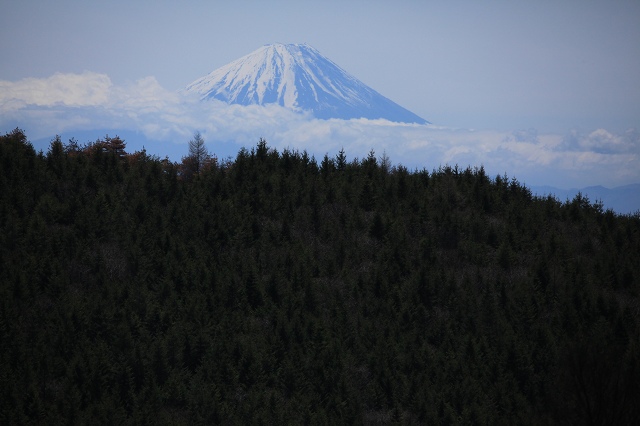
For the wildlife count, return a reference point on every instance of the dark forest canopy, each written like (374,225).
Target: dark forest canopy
(275,288)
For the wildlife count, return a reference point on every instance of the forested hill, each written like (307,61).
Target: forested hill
(277,289)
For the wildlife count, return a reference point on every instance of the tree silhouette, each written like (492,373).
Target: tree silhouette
(198,156)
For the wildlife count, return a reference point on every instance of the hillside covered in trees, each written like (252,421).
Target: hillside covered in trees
(275,288)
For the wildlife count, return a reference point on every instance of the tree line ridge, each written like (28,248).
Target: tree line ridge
(275,288)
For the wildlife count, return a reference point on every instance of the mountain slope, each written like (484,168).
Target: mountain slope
(273,289)
(298,77)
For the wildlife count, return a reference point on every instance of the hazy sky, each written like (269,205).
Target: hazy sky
(568,68)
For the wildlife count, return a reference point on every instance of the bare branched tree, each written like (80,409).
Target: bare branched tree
(197,159)
(198,152)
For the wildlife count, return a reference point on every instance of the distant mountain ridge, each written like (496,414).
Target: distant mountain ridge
(298,77)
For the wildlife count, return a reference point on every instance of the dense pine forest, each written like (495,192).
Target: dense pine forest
(275,288)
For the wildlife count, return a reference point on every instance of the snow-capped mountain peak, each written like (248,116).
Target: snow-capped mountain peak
(298,77)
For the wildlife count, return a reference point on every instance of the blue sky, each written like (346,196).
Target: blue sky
(546,91)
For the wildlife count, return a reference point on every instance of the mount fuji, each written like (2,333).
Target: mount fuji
(298,77)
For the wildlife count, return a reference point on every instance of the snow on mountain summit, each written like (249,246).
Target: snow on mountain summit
(298,77)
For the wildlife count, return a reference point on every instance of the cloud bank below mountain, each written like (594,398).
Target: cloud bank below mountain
(67,103)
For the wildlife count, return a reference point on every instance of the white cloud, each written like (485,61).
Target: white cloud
(602,141)
(68,102)
(75,90)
